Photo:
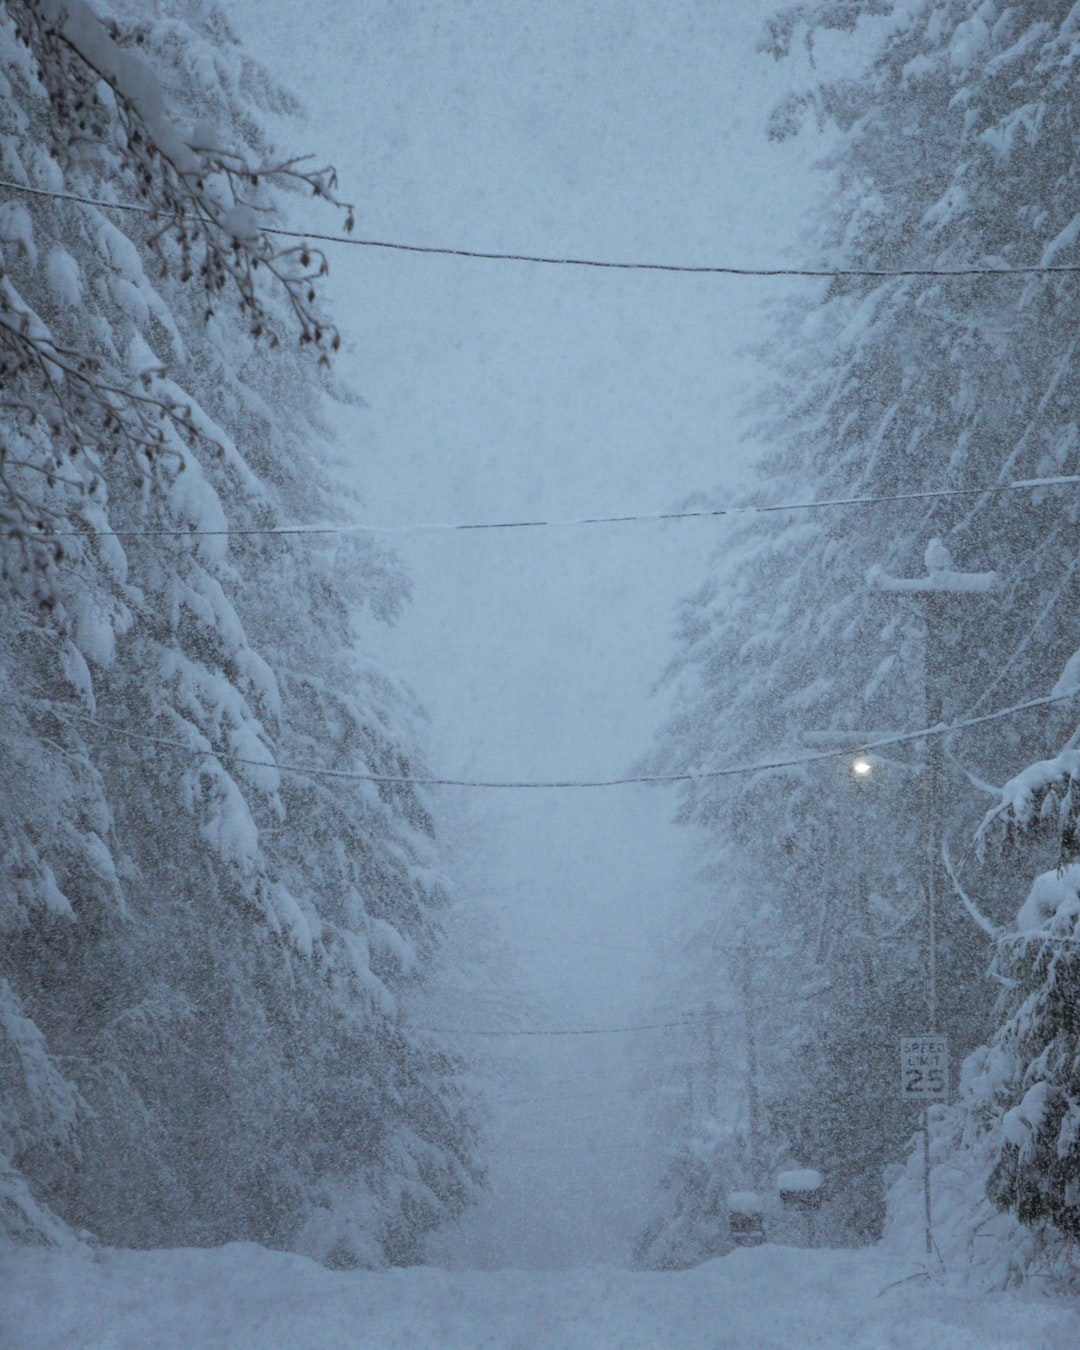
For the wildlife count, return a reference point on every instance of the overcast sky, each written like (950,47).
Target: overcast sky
(500,391)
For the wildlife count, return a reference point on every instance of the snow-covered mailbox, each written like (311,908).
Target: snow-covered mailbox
(800,1190)
(746,1218)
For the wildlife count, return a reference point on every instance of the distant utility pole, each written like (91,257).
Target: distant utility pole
(752,1103)
(943,592)
(713,1061)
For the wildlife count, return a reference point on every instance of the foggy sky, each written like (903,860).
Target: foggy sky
(505,391)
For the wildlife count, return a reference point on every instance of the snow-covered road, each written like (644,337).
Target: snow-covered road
(243,1297)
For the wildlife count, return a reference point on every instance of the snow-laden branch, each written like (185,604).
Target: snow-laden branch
(1026,793)
(204,196)
(66,405)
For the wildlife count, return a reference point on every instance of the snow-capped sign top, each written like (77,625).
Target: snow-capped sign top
(745,1202)
(1054,902)
(798,1179)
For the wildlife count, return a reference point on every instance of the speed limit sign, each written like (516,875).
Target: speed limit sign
(924,1068)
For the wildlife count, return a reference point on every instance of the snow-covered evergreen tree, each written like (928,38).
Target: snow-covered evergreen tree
(954,148)
(207,958)
(1037,1173)
(1006,1174)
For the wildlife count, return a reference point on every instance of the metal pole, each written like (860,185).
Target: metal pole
(926,1175)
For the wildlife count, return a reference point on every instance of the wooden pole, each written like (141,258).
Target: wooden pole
(926,1176)
(753,1105)
(935,750)
(713,1070)
(935,683)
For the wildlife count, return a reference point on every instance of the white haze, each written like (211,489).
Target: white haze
(512,391)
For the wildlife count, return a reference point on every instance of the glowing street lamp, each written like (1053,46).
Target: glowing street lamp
(861,767)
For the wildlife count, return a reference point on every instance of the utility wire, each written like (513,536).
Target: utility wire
(701,775)
(686,1019)
(1017,485)
(1025,269)
(543,1098)
(690,1019)
(601,1150)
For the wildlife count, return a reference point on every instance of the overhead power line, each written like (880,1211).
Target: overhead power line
(704,513)
(695,776)
(542,1098)
(601,1150)
(690,1019)
(693,269)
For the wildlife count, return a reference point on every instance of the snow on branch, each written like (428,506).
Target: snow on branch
(1024,797)
(203,196)
(65,407)
(1041,795)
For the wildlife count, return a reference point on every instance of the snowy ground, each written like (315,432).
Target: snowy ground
(242,1297)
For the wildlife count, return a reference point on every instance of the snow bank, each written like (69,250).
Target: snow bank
(246,1298)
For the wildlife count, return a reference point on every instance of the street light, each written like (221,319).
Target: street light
(862,768)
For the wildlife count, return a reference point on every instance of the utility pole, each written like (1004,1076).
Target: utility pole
(934,614)
(752,1102)
(713,1061)
(940,591)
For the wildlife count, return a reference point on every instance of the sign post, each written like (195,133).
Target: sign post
(924,1078)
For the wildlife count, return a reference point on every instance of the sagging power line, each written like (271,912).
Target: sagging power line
(706,1017)
(604,264)
(703,513)
(694,776)
(688,1019)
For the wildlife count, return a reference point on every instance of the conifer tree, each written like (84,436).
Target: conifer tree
(208,959)
(952,149)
